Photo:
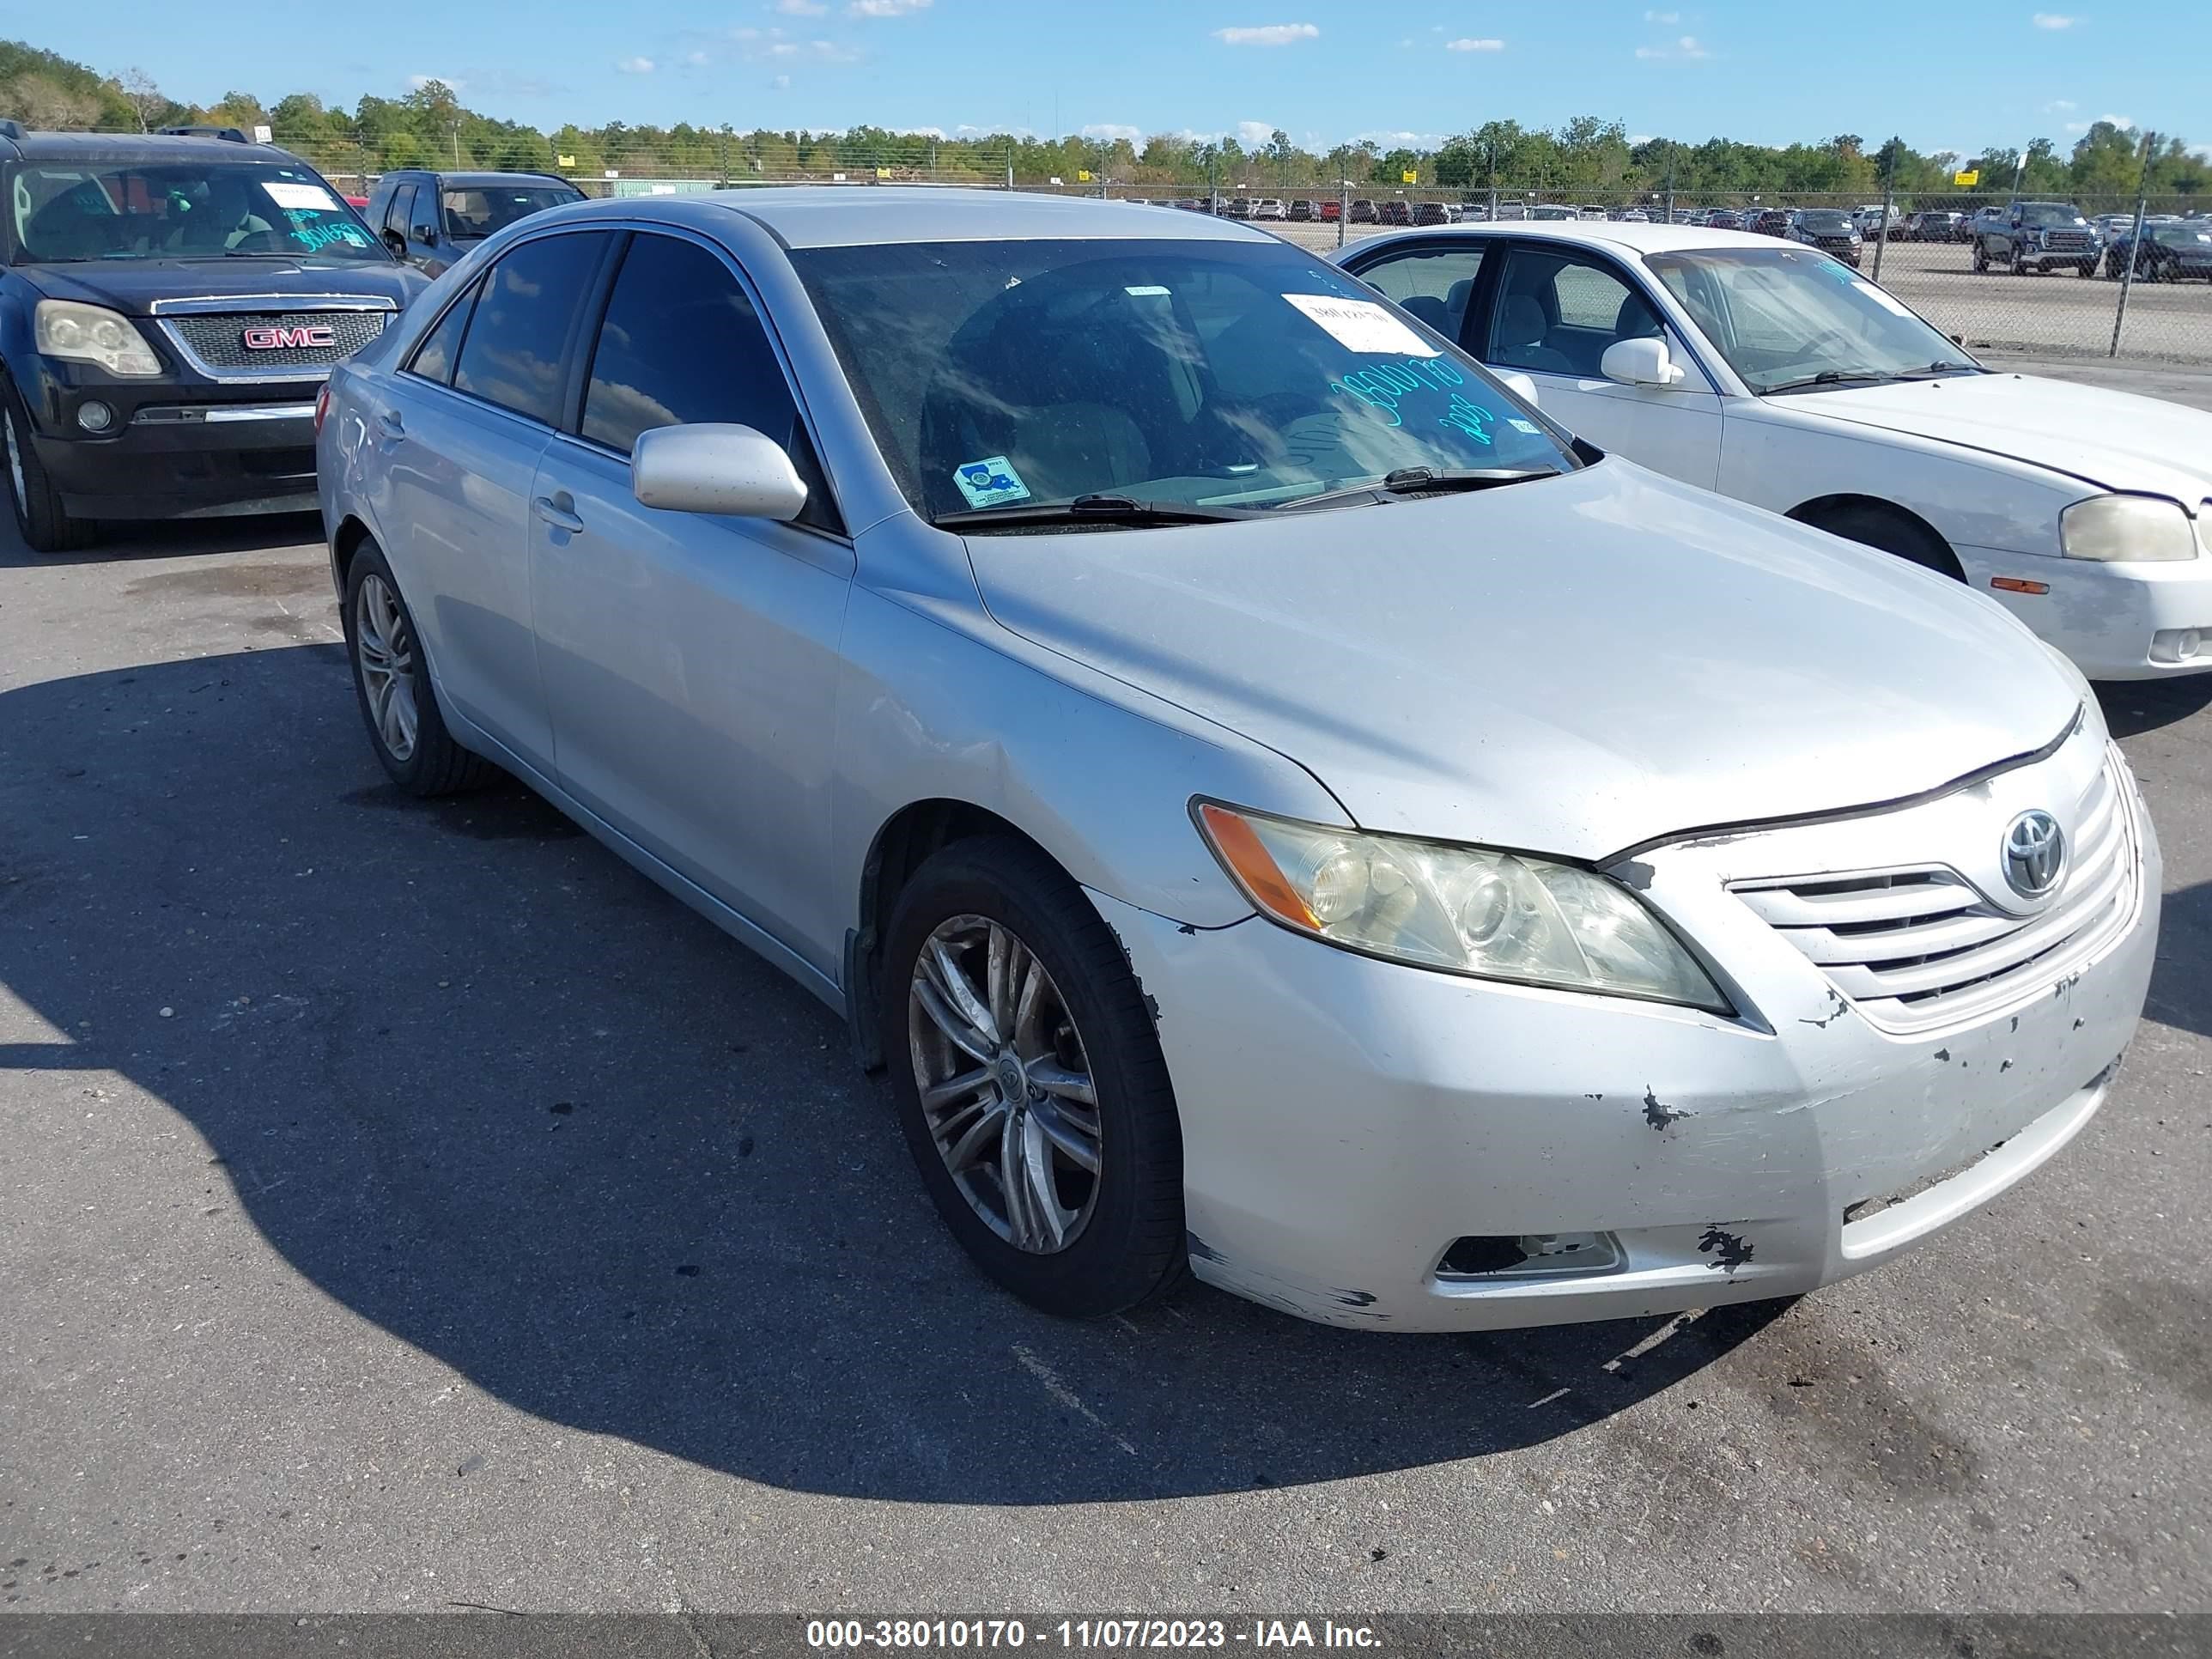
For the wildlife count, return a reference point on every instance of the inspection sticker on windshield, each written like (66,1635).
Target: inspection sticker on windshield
(1529,427)
(991,483)
(301,196)
(1362,325)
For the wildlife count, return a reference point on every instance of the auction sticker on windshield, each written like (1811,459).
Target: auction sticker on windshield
(990,482)
(1362,325)
(312,196)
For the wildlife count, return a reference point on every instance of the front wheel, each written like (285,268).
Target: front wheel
(1981,259)
(46,523)
(1029,1081)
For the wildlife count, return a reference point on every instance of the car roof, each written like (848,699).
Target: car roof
(493,177)
(831,216)
(1623,234)
(137,147)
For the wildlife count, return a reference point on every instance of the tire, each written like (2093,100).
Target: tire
(45,524)
(1115,1238)
(399,705)
(1981,258)
(1888,532)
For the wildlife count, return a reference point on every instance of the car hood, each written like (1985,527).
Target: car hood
(2113,440)
(133,286)
(1571,667)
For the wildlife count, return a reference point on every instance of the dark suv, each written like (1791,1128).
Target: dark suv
(169,308)
(431,219)
(2037,236)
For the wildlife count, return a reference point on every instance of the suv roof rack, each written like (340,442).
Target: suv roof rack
(11,128)
(229,135)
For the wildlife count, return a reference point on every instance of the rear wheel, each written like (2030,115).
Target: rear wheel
(1872,525)
(1981,256)
(1029,1081)
(391,684)
(46,523)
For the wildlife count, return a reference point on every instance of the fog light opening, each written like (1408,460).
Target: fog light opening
(1529,1255)
(2176,644)
(94,416)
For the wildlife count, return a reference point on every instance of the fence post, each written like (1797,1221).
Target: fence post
(1881,230)
(2135,242)
(1343,207)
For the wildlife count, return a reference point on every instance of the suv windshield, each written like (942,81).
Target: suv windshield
(1789,316)
(1824,220)
(475,211)
(1203,374)
(179,210)
(2047,213)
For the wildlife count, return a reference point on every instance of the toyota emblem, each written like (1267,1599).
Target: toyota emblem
(2034,854)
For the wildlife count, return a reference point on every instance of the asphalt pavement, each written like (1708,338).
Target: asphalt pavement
(407,1206)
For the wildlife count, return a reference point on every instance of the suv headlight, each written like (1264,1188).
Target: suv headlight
(2115,528)
(94,334)
(1457,910)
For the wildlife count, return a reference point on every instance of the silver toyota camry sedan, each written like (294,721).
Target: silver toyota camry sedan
(1278,806)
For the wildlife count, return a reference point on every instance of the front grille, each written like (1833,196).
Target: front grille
(2065,241)
(1918,948)
(216,342)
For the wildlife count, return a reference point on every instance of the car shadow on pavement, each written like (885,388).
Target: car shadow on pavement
(2134,707)
(484,1086)
(124,542)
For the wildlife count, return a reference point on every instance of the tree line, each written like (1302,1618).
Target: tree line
(1585,159)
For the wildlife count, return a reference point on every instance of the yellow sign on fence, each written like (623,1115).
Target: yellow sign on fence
(1083,175)
(565,161)
(1971,176)
(1409,177)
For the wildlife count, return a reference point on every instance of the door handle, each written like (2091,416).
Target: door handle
(390,421)
(559,511)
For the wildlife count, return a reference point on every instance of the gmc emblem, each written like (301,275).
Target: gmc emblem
(265,338)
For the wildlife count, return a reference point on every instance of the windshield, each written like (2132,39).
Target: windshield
(187,209)
(1785,314)
(474,212)
(1827,220)
(2046,213)
(2179,235)
(1205,374)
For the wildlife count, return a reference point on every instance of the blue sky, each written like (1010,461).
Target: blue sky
(1960,76)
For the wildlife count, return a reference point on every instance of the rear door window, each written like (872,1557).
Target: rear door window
(395,216)
(1433,283)
(516,351)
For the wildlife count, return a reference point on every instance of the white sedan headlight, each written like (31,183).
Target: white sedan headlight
(1458,909)
(2113,528)
(94,334)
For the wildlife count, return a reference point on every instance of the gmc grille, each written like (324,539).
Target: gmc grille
(216,342)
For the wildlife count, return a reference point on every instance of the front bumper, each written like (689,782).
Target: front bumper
(175,456)
(2116,621)
(1345,1120)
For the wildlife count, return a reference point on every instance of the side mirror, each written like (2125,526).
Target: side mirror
(427,234)
(1521,386)
(397,243)
(1640,362)
(710,468)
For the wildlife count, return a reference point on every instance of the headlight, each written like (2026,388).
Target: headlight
(1457,910)
(2114,528)
(94,334)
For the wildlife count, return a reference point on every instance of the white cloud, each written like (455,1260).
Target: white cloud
(2060,107)
(634,65)
(779,83)
(416,83)
(1267,34)
(2052,20)
(697,59)
(886,8)
(802,8)
(2127,121)
(1254,135)
(1687,45)
(1111,131)
(1662,16)
(1401,140)
(1470,44)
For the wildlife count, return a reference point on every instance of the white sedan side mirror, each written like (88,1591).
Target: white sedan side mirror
(1520,384)
(711,468)
(1640,362)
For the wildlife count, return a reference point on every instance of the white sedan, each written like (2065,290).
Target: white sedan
(1774,373)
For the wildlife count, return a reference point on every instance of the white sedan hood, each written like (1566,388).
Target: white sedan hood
(2112,440)
(1568,666)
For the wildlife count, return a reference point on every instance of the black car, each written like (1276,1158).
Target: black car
(1362,212)
(431,219)
(1829,229)
(1772,222)
(169,308)
(2172,251)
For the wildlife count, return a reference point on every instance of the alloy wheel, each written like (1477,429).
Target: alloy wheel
(1005,1085)
(385,652)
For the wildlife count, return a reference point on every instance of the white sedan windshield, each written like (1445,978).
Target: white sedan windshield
(1787,318)
(1209,374)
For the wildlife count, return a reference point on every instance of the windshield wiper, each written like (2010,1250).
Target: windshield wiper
(1934,370)
(1831,377)
(1423,481)
(1088,509)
